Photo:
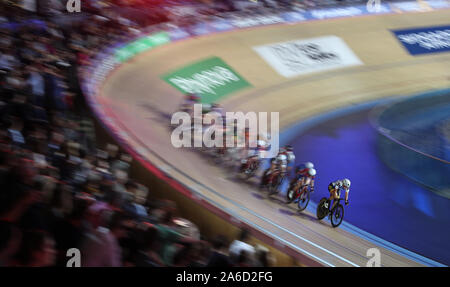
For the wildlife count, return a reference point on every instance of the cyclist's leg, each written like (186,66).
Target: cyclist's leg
(331,191)
(251,160)
(272,165)
(283,168)
(335,199)
(300,182)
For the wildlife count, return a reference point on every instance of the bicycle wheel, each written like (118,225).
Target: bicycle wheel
(251,170)
(273,188)
(263,182)
(290,195)
(337,216)
(322,211)
(303,200)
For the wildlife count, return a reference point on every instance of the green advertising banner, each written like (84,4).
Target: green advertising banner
(212,79)
(141,45)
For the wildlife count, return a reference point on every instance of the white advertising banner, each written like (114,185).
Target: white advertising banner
(306,56)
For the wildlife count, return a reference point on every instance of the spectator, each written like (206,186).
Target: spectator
(190,255)
(102,247)
(56,193)
(36,250)
(147,255)
(168,236)
(10,239)
(242,244)
(139,197)
(263,257)
(7,60)
(219,256)
(244,259)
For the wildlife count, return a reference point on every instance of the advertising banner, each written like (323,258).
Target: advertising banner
(245,22)
(211,78)
(221,25)
(438,4)
(335,12)
(407,6)
(178,34)
(293,17)
(141,45)
(300,57)
(425,40)
(200,29)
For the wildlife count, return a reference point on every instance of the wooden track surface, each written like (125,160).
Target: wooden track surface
(137,98)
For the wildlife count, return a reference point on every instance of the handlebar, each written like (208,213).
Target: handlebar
(343,199)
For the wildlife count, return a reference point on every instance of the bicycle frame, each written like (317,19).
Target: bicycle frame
(338,200)
(300,190)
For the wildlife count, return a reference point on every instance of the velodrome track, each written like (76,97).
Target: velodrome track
(137,99)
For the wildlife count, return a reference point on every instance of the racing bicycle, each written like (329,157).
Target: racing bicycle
(250,166)
(300,192)
(336,214)
(273,180)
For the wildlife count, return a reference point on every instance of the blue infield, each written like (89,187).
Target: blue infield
(382,202)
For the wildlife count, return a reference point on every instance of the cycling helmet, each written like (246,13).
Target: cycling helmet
(312,172)
(346,182)
(309,165)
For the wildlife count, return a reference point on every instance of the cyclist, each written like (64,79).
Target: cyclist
(290,157)
(255,154)
(304,175)
(309,178)
(335,190)
(284,157)
(250,145)
(187,105)
(302,169)
(191,98)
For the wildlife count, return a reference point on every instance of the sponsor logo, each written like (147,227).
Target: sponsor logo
(425,40)
(221,25)
(178,33)
(256,21)
(335,13)
(293,17)
(141,45)
(418,6)
(299,57)
(211,78)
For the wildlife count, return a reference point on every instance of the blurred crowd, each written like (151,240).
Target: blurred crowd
(58,190)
